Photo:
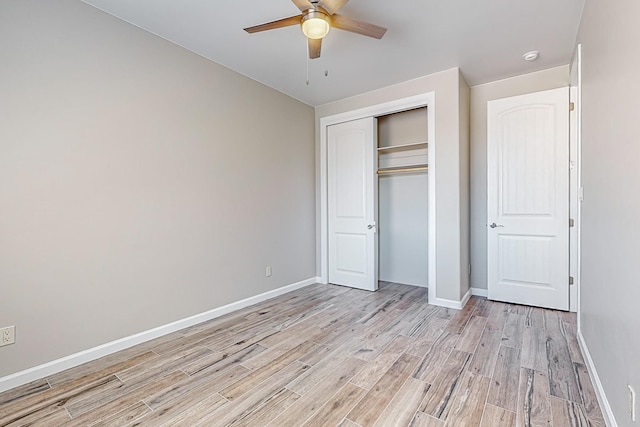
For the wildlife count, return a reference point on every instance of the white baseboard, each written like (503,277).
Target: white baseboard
(449,303)
(458,305)
(479,292)
(607,412)
(465,298)
(59,365)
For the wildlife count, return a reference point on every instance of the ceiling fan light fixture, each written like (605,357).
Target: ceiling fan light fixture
(315,24)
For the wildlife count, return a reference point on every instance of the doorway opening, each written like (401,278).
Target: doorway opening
(425,100)
(403,198)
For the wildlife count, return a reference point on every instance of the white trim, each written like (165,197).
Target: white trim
(578,280)
(479,292)
(423,100)
(449,303)
(465,298)
(607,412)
(575,85)
(573,199)
(50,368)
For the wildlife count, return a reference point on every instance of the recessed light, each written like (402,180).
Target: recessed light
(531,56)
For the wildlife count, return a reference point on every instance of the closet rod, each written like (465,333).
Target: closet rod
(402,170)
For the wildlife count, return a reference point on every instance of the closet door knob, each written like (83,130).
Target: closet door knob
(370,226)
(494,225)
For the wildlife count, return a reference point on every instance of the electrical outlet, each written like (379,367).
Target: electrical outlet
(7,335)
(267,271)
(632,402)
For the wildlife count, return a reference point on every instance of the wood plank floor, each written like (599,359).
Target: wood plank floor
(332,356)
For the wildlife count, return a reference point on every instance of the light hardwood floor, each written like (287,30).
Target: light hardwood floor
(334,356)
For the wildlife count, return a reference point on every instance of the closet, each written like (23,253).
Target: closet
(403,198)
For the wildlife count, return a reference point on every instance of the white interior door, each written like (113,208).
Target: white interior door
(352,203)
(528,199)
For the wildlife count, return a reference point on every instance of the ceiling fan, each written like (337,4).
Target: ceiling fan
(317,17)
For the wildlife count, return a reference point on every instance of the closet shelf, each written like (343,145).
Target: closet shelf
(412,146)
(404,169)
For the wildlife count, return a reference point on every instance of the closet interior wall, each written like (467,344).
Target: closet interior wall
(403,198)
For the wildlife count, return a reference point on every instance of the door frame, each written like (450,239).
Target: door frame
(575,178)
(396,106)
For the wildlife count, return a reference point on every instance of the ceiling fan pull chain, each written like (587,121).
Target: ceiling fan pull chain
(307,65)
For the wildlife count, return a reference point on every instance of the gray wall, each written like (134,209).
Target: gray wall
(447,88)
(139,183)
(527,83)
(464,158)
(610,291)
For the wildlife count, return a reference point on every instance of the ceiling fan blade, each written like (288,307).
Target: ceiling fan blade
(359,27)
(332,6)
(314,48)
(286,22)
(303,5)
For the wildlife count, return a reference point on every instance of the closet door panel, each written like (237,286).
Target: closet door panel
(352,191)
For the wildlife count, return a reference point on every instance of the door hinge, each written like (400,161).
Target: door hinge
(572,222)
(572,106)
(571,280)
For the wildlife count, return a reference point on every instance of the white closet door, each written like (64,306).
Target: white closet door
(528,199)
(352,204)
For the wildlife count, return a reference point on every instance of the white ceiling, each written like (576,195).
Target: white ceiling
(485,38)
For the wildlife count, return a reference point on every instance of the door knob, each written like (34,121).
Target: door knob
(494,225)
(370,226)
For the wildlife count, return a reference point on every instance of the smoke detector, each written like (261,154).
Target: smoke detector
(531,55)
